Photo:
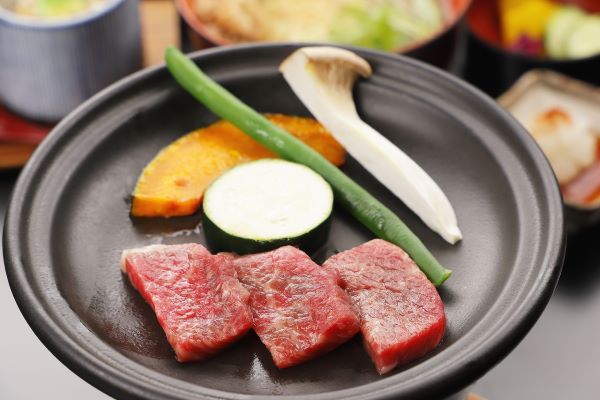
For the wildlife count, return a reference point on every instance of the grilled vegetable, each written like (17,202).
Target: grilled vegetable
(323,77)
(173,183)
(266,204)
(362,205)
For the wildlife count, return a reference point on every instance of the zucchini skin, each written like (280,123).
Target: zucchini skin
(357,201)
(220,241)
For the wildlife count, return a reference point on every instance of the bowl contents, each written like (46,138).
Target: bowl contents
(572,146)
(357,201)
(584,189)
(402,315)
(569,144)
(298,309)
(196,297)
(173,183)
(53,9)
(323,77)
(265,204)
(380,24)
(547,28)
(562,115)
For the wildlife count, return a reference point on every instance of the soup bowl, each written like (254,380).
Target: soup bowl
(50,66)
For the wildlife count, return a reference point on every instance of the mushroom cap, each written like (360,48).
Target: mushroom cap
(329,55)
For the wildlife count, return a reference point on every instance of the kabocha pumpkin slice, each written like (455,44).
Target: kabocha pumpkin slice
(311,132)
(173,183)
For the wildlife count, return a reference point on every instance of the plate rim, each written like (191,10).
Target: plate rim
(111,381)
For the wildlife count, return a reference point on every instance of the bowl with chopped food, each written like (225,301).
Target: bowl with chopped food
(57,53)
(510,37)
(425,29)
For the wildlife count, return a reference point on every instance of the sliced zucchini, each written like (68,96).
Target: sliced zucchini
(559,29)
(585,39)
(265,204)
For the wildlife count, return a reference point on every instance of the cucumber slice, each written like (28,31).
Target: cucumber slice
(266,204)
(559,29)
(585,40)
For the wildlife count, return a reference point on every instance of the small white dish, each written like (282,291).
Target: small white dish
(541,90)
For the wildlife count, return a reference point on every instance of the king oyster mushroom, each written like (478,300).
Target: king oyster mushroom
(323,77)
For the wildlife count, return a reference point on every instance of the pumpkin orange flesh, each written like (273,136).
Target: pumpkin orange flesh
(173,183)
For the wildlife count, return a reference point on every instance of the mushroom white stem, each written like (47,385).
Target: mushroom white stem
(322,77)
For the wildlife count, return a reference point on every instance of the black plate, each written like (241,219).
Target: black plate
(68,222)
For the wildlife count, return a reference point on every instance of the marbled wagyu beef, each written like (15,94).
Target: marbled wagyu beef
(402,315)
(298,308)
(198,301)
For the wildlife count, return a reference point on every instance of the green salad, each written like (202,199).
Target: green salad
(386,24)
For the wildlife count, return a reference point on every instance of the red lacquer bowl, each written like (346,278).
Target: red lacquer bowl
(494,69)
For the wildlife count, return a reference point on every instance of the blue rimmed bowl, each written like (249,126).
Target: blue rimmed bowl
(49,67)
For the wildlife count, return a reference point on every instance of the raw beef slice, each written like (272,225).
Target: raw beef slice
(402,315)
(299,310)
(196,296)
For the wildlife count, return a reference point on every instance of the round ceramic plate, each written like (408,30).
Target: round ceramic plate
(69,220)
